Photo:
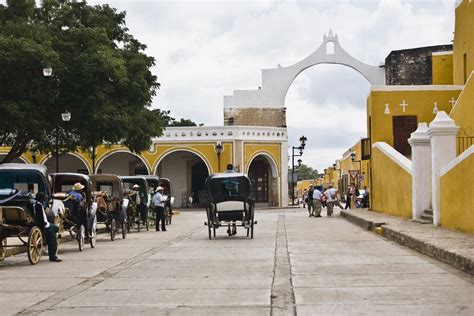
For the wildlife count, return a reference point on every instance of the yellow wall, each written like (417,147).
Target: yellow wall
(420,104)
(463,41)
(463,112)
(457,196)
(391,186)
(442,69)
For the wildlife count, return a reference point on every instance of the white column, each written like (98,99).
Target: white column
(283,179)
(421,170)
(442,133)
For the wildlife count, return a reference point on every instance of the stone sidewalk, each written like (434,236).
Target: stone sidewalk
(448,246)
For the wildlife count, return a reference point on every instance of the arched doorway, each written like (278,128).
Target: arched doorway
(16,160)
(264,178)
(187,173)
(122,163)
(67,163)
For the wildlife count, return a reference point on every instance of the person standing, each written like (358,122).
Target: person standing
(305,197)
(159,203)
(310,201)
(48,228)
(331,196)
(348,198)
(317,206)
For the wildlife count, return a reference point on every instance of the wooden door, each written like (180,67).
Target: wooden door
(403,126)
(258,174)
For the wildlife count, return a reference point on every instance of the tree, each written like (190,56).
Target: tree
(104,78)
(183,122)
(306,173)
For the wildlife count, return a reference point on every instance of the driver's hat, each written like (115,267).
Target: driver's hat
(77,186)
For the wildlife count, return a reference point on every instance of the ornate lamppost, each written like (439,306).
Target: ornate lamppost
(300,149)
(219,149)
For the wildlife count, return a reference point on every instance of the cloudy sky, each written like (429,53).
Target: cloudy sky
(206,49)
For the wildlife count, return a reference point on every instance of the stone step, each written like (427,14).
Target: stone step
(427,217)
(422,221)
(428,211)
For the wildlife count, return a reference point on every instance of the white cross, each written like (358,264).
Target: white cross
(452,101)
(404,105)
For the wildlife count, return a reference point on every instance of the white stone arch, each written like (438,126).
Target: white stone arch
(169,152)
(277,81)
(122,151)
(76,155)
(270,159)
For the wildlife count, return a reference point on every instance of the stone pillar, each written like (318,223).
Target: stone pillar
(442,133)
(421,170)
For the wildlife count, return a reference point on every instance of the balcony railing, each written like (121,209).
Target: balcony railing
(463,143)
(366,147)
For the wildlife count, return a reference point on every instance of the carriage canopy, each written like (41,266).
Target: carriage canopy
(107,183)
(25,177)
(228,187)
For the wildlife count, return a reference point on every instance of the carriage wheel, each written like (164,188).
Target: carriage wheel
(113,227)
(146,222)
(128,225)
(214,229)
(125,227)
(139,222)
(93,238)
(81,238)
(252,224)
(35,245)
(3,249)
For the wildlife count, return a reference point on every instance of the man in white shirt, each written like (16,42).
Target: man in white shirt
(317,206)
(331,195)
(159,203)
(48,228)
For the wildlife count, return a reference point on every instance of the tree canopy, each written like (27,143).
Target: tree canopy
(182,122)
(101,75)
(307,173)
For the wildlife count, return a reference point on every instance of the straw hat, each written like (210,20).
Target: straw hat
(77,186)
(160,188)
(135,186)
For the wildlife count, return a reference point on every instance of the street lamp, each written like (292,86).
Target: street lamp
(219,149)
(48,72)
(353,156)
(300,148)
(339,173)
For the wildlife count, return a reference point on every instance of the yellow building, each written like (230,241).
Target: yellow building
(187,155)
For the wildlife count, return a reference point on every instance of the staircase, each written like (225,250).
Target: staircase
(426,217)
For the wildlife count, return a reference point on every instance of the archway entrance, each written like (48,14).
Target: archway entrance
(122,164)
(67,163)
(262,174)
(187,173)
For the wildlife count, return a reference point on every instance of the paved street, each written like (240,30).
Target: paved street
(294,265)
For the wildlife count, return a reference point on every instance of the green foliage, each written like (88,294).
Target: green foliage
(183,122)
(306,173)
(104,78)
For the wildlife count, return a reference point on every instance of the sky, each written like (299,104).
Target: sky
(206,49)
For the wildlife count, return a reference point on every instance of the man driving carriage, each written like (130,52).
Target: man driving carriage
(77,206)
(139,198)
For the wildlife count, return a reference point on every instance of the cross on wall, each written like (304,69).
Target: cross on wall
(404,105)
(452,101)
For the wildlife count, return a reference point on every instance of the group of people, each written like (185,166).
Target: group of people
(317,197)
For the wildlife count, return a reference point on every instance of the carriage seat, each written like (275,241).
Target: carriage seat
(231,206)
(15,215)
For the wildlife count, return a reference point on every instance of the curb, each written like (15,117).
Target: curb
(455,260)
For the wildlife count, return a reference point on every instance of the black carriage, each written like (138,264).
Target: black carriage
(229,203)
(168,195)
(80,216)
(137,210)
(18,185)
(107,192)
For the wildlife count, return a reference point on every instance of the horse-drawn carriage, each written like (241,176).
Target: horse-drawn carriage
(80,216)
(107,192)
(167,194)
(136,189)
(229,203)
(153,184)
(19,183)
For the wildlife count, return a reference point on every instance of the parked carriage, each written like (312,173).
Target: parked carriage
(80,217)
(153,183)
(168,195)
(139,202)
(107,191)
(18,185)
(229,203)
